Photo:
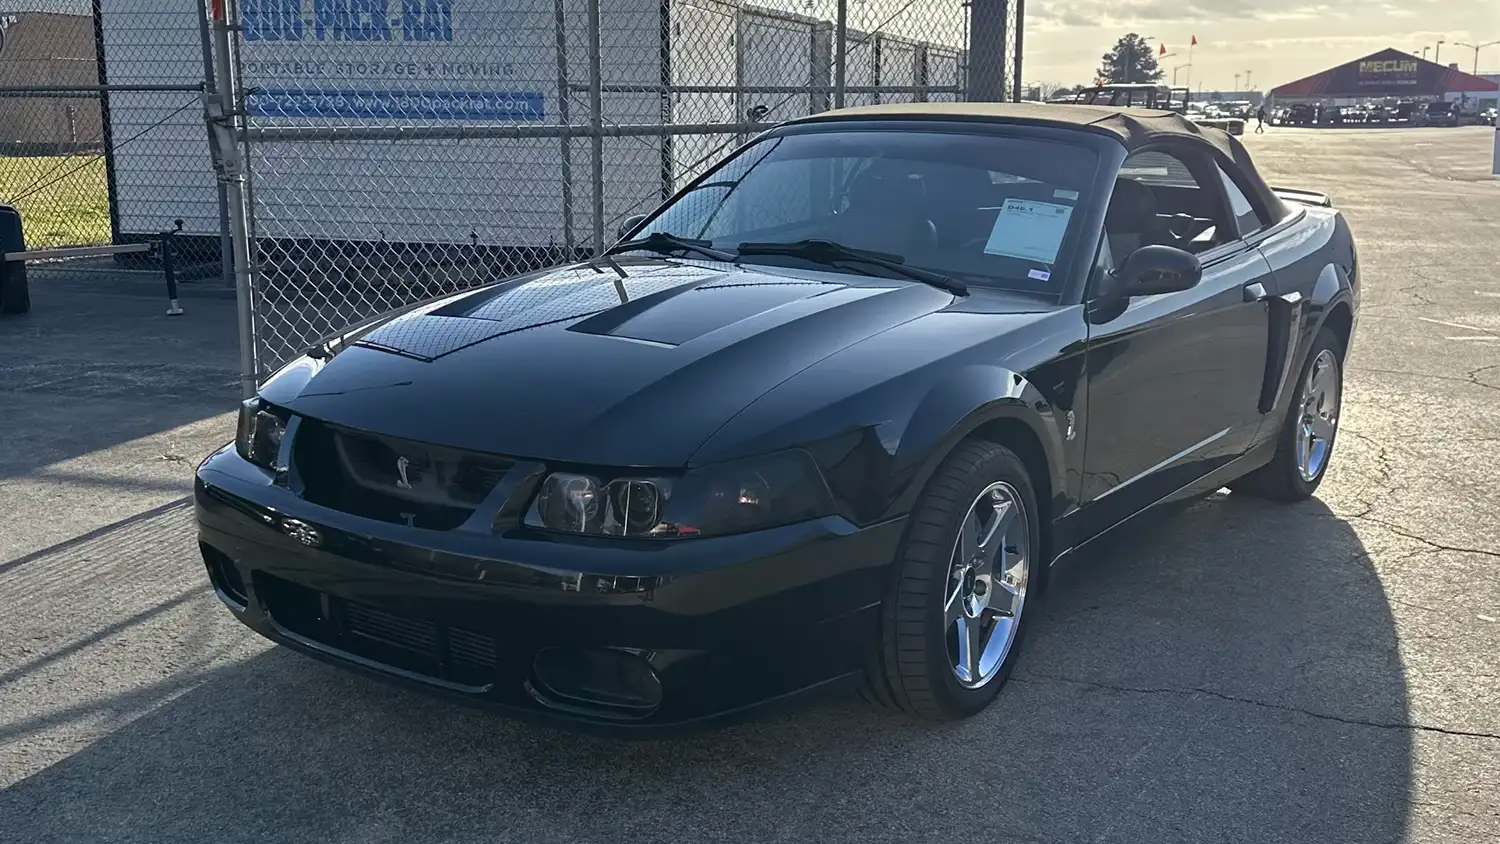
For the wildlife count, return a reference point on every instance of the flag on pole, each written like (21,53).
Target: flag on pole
(1195,41)
(1163,50)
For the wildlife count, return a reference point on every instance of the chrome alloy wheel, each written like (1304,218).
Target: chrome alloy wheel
(1320,416)
(986,586)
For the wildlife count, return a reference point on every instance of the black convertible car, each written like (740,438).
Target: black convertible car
(829,414)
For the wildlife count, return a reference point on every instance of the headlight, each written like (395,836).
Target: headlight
(710,501)
(261,427)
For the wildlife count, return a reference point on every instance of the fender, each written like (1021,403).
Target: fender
(1296,322)
(960,404)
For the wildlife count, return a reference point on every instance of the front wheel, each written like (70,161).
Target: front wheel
(1304,446)
(953,616)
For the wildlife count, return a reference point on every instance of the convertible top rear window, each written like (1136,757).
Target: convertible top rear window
(988,209)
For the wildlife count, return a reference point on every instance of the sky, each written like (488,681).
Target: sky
(1276,41)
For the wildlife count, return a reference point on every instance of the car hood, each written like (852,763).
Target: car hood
(632,362)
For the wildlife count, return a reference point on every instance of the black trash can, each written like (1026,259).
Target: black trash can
(15,297)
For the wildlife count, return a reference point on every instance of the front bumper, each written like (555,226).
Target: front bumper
(623,636)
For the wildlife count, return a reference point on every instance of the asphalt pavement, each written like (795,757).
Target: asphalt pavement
(1242,671)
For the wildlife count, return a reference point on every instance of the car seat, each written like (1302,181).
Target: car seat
(1131,222)
(887,212)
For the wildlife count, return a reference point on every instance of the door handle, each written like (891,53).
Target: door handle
(1256,292)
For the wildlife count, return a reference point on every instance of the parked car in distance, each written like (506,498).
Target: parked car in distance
(1487,117)
(818,419)
(1300,114)
(1437,114)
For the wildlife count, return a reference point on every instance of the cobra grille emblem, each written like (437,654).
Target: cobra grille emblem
(402,481)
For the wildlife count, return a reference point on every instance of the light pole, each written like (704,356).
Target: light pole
(1236,82)
(1176,69)
(1476,48)
(1437,54)
(1424,52)
(1247,80)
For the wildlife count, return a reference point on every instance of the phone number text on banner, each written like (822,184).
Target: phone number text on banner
(399,105)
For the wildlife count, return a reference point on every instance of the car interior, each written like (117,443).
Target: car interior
(1159,199)
(935,214)
(940,214)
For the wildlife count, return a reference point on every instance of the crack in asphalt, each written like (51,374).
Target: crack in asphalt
(1384,468)
(1473,376)
(1196,692)
(1469,377)
(1405,532)
(1432,804)
(1411,289)
(1414,605)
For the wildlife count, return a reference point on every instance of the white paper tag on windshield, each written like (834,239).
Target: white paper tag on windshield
(1029,230)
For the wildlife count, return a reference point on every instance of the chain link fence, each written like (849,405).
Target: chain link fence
(398,150)
(100,119)
(365,154)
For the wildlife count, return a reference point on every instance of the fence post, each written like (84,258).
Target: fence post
(1015,69)
(987,50)
(565,145)
(596,124)
(822,66)
(223,115)
(1496,166)
(226,243)
(840,52)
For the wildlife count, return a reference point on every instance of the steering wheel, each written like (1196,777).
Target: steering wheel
(1184,227)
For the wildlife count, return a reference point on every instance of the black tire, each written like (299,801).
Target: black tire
(909,669)
(1280,480)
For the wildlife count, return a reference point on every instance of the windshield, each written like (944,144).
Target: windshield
(987,209)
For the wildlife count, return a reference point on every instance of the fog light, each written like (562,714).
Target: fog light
(602,681)
(224,575)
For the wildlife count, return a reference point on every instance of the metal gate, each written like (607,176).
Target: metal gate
(96,104)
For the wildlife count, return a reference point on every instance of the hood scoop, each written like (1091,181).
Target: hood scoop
(675,316)
(557,297)
(661,303)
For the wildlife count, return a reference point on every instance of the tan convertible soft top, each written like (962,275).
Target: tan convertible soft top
(1134,127)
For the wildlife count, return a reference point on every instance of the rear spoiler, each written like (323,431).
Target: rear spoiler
(1303,197)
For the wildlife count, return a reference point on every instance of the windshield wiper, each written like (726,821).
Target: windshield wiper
(828,252)
(665,244)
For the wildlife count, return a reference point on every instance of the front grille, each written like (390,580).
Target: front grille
(380,626)
(440,651)
(390,479)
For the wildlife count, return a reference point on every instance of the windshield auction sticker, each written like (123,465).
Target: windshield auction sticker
(1029,230)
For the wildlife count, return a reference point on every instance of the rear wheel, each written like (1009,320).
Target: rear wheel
(953,616)
(1304,447)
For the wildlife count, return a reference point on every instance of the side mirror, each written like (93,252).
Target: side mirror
(630,224)
(1158,269)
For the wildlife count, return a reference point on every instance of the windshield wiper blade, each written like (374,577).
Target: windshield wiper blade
(665,244)
(829,252)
